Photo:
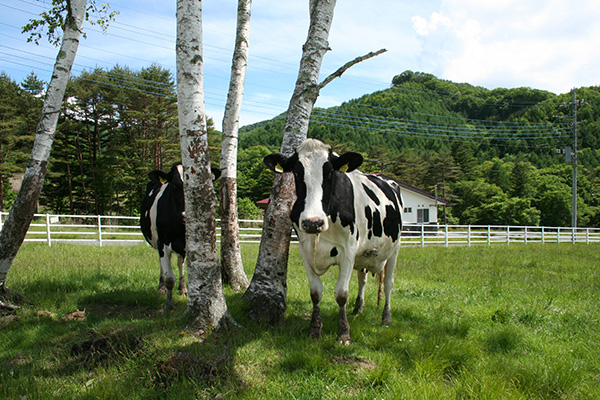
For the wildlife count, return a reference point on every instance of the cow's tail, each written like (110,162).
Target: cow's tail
(380,279)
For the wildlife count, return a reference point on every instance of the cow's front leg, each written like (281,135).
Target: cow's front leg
(182,285)
(341,296)
(316,293)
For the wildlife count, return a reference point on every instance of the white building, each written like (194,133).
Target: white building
(420,207)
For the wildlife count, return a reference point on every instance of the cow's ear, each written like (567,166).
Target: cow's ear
(278,162)
(347,162)
(216,172)
(158,177)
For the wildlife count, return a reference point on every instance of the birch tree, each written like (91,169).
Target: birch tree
(231,258)
(266,295)
(21,213)
(206,307)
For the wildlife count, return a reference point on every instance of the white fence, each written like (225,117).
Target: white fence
(112,230)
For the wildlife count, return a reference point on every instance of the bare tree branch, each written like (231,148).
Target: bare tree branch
(349,64)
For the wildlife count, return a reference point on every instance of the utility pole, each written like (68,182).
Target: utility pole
(574,161)
(571,155)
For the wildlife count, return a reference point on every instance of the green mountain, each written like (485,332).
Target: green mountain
(498,155)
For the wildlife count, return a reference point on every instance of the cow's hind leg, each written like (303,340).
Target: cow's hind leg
(390,265)
(161,280)
(182,285)
(341,296)
(165,265)
(360,297)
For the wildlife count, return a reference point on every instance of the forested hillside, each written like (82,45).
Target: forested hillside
(496,155)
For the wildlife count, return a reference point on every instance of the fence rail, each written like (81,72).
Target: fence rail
(113,230)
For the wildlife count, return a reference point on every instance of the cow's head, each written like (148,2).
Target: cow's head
(316,169)
(175,178)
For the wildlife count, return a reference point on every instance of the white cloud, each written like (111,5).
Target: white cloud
(538,43)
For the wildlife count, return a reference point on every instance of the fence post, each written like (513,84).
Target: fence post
(100,230)
(489,237)
(507,234)
(543,237)
(573,235)
(422,235)
(469,235)
(525,234)
(558,234)
(48,235)
(587,236)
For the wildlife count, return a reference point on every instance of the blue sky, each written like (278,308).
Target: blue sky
(544,44)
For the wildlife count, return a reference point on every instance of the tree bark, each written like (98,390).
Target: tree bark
(206,307)
(231,258)
(21,214)
(266,295)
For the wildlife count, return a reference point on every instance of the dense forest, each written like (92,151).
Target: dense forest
(498,156)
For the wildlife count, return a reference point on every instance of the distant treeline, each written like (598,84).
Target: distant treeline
(497,155)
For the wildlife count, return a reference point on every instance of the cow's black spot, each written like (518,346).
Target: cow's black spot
(371,194)
(300,193)
(341,200)
(387,189)
(370,253)
(369,217)
(334,252)
(392,222)
(377,228)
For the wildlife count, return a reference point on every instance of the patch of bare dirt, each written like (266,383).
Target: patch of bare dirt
(355,361)
(186,365)
(100,347)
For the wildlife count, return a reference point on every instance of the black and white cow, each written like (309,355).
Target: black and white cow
(163,224)
(342,217)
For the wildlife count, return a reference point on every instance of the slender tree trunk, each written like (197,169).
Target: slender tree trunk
(206,306)
(21,213)
(231,257)
(267,292)
(70,184)
(1,191)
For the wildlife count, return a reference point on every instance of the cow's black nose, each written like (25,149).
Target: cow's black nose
(313,225)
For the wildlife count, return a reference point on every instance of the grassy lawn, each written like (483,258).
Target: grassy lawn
(500,322)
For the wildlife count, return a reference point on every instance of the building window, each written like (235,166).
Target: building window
(422,215)
(408,210)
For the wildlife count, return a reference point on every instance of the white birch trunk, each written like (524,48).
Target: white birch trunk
(21,213)
(231,258)
(206,308)
(266,295)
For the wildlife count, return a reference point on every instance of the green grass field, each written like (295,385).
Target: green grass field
(500,322)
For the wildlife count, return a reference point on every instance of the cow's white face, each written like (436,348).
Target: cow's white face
(315,167)
(314,173)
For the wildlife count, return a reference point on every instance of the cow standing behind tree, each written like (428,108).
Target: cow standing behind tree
(162,222)
(342,217)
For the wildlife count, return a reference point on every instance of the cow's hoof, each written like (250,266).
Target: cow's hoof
(183,292)
(315,332)
(386,319)
(358,307)
(345,340)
